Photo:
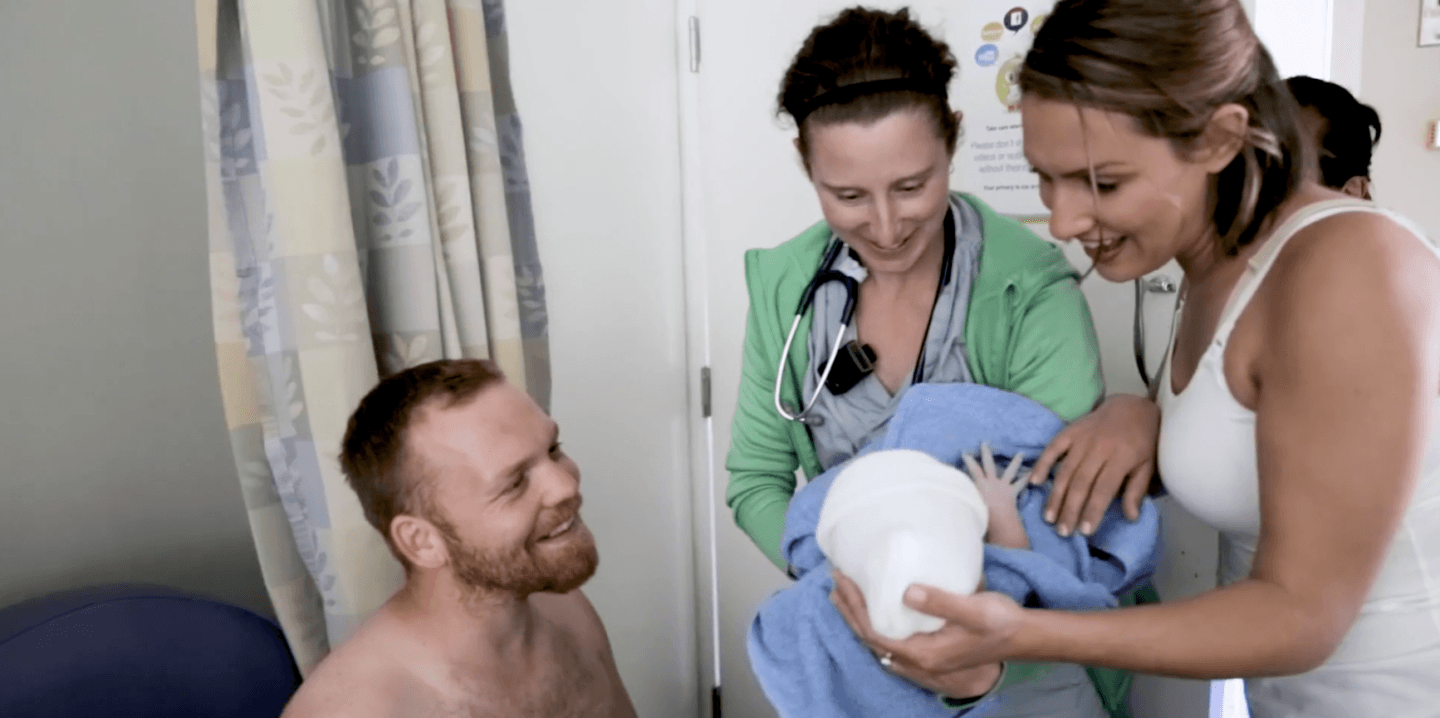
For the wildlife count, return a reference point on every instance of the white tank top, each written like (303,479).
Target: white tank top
(1389,662)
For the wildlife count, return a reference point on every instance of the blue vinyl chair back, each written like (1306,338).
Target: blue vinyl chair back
(140,651)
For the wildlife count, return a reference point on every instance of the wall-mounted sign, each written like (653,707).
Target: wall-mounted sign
(1429,22)
(991,158)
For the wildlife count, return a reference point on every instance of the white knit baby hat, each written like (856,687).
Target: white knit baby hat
(897,517)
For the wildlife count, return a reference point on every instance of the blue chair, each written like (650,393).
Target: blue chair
(140,651)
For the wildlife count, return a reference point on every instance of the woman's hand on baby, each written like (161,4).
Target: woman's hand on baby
(1098,454)
(961,659)
(908,658)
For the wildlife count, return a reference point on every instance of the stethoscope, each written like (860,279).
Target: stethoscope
(1159,284)
(826,273)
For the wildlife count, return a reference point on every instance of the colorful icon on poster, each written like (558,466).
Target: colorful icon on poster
(987,55)
(1007,83)
(1016,19)
(1037,22)
(992,32)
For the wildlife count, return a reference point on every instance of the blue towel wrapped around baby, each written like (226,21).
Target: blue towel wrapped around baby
(807,659)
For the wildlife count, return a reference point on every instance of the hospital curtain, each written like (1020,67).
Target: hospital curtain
(369,211)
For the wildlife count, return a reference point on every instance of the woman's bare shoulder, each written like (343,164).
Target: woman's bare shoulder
(1360,256)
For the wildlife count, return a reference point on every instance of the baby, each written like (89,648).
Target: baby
(897,517)
(901,512)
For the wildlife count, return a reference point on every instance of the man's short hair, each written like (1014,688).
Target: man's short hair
(373,454)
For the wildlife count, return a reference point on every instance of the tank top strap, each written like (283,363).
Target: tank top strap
(1259,265)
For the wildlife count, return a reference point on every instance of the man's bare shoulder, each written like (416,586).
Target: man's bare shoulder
(574,613)
(360,679)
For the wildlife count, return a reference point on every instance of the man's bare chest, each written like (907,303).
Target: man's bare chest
(567,683)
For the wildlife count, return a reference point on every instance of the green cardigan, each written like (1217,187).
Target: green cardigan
(1028,330)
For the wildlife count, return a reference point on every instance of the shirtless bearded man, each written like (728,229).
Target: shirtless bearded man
(464,476)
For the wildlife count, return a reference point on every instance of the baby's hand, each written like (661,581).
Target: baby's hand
(999,492)
(997,489)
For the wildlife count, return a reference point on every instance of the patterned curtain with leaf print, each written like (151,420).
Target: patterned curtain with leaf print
(369,211)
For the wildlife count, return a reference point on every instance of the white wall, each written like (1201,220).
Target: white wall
(1297,33)
(1402,81)
(116,464)
(595,84)
(1347,51)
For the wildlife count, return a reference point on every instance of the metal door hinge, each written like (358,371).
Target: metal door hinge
(705,392)
(694,44)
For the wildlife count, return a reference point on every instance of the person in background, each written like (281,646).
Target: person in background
(1344,132)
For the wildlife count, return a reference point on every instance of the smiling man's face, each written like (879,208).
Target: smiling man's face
(504,496)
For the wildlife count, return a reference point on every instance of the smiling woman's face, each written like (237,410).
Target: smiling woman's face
(1148,204)
(883,186)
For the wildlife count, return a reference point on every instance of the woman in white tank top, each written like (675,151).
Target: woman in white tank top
(1300,402)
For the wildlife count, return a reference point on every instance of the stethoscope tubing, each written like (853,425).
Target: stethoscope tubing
(819,386)
(807,299)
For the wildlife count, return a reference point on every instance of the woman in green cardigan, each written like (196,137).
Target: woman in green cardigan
(946,290)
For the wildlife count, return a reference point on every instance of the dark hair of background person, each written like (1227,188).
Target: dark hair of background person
(1349,129)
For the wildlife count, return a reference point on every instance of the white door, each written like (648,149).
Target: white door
(745,188)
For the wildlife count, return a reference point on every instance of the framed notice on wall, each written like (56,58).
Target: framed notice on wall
(1429,22)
